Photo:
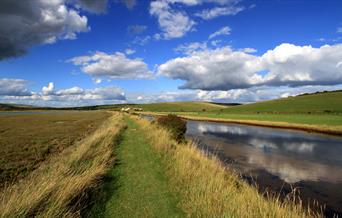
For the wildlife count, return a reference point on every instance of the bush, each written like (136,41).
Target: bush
(175,125)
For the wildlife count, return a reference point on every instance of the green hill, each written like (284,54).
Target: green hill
(181,107)
(323,102)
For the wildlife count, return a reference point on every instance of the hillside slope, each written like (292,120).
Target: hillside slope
(324,102)
(181,107)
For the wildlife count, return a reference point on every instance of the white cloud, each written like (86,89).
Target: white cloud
(287,64)
(219,69)
(189,48)
(141,40)
(292,65)
(208,14)
(47,90)
(112,66)
(223,31)
(248,50)
(129,51)
(13,87)
(45,22)
(174,24)
(15,91)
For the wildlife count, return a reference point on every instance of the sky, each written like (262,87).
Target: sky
(83,52)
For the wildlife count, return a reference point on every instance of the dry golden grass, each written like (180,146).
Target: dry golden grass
(27,140)
(57,188)
(208,189)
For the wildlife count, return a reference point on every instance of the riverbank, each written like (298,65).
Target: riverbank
(206,188)
(265,121)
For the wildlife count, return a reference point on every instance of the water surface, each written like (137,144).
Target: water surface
(278,159)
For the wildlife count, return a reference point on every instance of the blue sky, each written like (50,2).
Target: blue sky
(167,50)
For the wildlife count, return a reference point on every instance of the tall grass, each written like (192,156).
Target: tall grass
(58,187)
(208,189)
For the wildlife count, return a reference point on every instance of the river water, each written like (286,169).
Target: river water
(278,160)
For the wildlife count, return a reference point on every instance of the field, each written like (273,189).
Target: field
(320,103)
(321,112)
(27,140)
(61,185)
(151,175)
(181,107)
(102,163)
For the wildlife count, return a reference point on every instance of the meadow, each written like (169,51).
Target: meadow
(61,185)
(26,141)
(320,112)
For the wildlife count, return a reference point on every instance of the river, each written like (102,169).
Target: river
(278,160)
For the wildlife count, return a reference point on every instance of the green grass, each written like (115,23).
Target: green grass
(323,103)
(180,106)
(136,186)
(313,109)
(316,119)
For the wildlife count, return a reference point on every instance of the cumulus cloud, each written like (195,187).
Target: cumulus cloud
(223,31)
(112,66)
(15,91)
(48,90)
(293,65)
(219,69)
(27,23)
(287,64)
(13,87)
(174,24)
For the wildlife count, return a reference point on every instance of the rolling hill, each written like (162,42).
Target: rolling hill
(322,102)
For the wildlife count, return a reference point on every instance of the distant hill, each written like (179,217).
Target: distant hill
(181,106)
(320,102)
(11,107)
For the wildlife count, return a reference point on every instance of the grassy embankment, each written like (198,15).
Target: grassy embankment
(59,187)
(205,188)
(320,112)
(27,140)
(136,186)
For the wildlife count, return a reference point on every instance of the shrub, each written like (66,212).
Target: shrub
(175,125)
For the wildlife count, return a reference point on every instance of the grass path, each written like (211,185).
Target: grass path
(136,186)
